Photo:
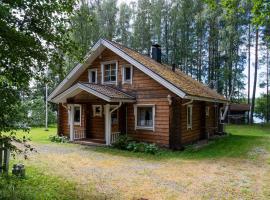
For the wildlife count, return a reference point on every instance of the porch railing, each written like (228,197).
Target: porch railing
(114,137)
(79,134)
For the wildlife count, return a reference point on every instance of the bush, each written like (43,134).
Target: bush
(151,148)
(122,142)
(58,139)
(125,143)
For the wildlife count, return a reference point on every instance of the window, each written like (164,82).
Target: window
(114,117)
(77,115)
(207,111)
(109,72)
(127,74)
(144,117)
(189,117)
(92,75)
(97,110)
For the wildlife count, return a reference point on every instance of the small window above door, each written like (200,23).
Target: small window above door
(97,110)
(92,75)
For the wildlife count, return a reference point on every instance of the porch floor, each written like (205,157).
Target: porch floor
(90,142)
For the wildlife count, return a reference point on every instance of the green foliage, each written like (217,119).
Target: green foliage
(35,109)
(142,147)
(125,143)
(58,139)
(32,38)
(261,107)
(121,142)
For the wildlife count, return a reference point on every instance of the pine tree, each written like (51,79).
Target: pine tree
(123,25)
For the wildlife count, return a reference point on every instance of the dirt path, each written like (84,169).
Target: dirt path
(117,177)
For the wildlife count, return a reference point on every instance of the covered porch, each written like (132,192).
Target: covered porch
(96,113)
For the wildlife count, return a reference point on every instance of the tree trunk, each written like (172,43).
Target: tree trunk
(249,41)
(255,76)
(267,85)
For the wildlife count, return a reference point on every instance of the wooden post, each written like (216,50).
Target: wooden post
(107,124)
(71,124)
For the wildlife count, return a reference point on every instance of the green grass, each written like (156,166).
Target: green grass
(242,139)
(38,134)
(238,144)
(36,185)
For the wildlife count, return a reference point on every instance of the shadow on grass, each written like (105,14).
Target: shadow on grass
(231,146)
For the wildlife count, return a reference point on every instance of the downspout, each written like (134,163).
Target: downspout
(120,103)
(187,103)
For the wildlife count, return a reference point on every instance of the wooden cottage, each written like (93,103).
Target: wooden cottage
(117,90)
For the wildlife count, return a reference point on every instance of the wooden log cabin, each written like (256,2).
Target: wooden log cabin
(117,90)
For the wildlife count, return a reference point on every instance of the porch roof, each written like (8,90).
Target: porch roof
(105,92)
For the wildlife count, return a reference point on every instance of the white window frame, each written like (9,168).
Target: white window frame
(90,75)
(207,110)
(136,106)
(189,126)
(124,73)
(80,122)
(94,111)
(102,72)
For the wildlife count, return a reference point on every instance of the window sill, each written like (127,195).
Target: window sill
(109,83)
(126,82)
(77,123)
(144,128)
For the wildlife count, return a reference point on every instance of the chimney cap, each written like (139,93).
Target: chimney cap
(156,45)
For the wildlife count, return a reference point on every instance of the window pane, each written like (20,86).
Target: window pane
(107,67)
(77,114)
(93,76)
(114,117)
(145,116)
(127,73)
(113,78)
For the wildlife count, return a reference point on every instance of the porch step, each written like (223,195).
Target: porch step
(90,142)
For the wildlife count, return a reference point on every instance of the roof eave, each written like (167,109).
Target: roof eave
(206,99)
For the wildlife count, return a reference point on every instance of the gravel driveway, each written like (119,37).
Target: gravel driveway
(105,176)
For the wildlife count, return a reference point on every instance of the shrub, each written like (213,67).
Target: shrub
(122,142)
(151,148)
(142,147)
(58,139)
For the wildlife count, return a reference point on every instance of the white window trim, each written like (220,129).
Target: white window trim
(102,72)
(189,126)
(207,110)
(153,116)
(94,111)
(123,74)
(80,106)
(90,75)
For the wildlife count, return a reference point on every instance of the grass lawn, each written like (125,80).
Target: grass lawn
(232,167)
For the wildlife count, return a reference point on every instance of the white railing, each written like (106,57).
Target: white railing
(114,136)
(79,134)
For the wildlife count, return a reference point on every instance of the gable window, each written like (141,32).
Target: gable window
(144,117)
(109,72)
(92,75)
(189,117)
(97,110)
(77,114)
(127,74)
